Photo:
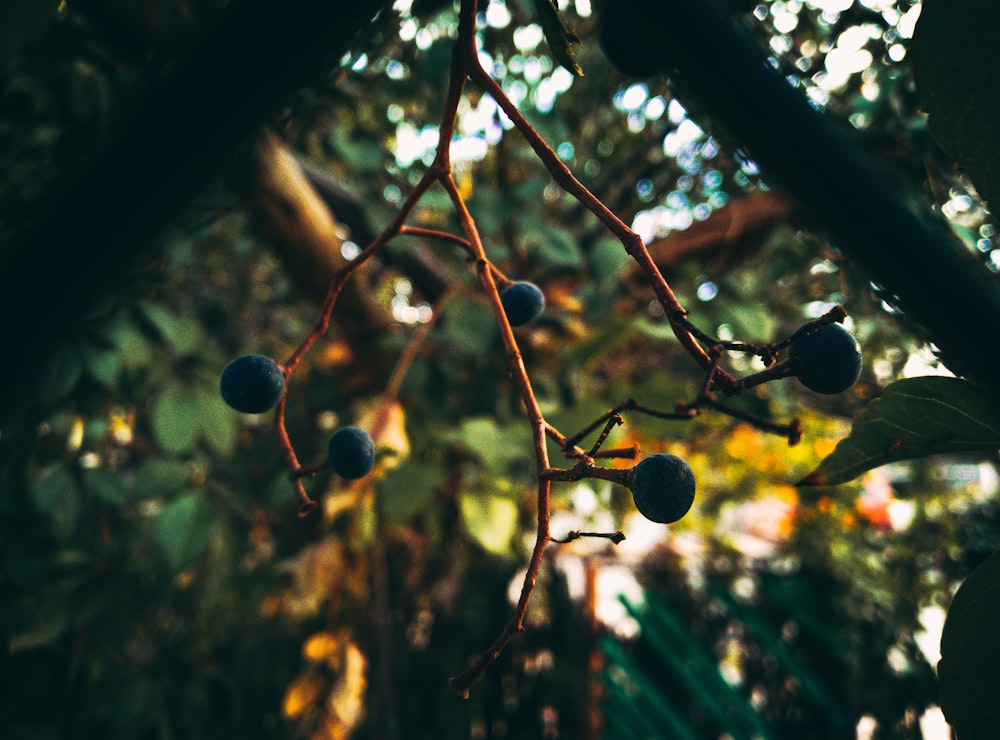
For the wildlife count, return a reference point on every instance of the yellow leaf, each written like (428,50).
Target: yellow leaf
(463,177)
(335,504)
(315,571)
(122,423)
(329,728)
(824,447)
(301,694)
(386,423)
(75,439)
(320,647)
(346,699)
(744,443)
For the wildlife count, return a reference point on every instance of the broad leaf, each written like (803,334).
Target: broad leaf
(161,478)
(105,484)
(496,446)
(217,425)
(54,493)
(606,258)
(914,418)
(46,630)
(183,333)
(409,488)
(954,66)
(491,520)
(469,326)
(60,374)
(561,39)
(970,653)
(99,363)
(555,248)
(176,417)
(183,529)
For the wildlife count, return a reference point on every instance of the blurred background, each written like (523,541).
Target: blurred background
(156,581)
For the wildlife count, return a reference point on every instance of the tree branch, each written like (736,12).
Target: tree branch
(934,278)
(98,224)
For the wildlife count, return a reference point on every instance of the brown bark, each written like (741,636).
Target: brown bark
(100,221)
(734,229)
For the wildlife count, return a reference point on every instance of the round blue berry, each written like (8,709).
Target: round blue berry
(351,453)
(252,384)
(522,302)
(663,487)
(828,360)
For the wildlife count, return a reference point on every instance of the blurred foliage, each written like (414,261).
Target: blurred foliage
(950,86)
(157,582)
(966,658)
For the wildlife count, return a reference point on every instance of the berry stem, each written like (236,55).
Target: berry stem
(615,537)
(613,421)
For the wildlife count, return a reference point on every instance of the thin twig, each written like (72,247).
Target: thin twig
(445,236)
(634,246)
(615,537)
(613,421)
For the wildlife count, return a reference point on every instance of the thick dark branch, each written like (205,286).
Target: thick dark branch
(99,225)
(933,277)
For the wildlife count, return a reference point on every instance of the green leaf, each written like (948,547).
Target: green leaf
(182,332)
(560,39)
(46,630)
(914,418)
(54,492)
(406,490)
(183,529)
(102,332)
(359,154)
(469,326)
(160,478)
(606,257)
(556,248)
(105,484)
(133,347)
(752,322)
(218,426)
(491,520)
(496,446)
(100,364)
(50,487)
(176,418)
(60,374)
(970,653)
(956,75)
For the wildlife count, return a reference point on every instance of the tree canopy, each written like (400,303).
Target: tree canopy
(696,188)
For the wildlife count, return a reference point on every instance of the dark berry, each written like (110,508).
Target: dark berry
(828,360)
(663,487)
(522,302)
(351,453)
(252,384)
(629,37)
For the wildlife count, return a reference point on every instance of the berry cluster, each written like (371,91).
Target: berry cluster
(254,384)
(826,359)
(822,355)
